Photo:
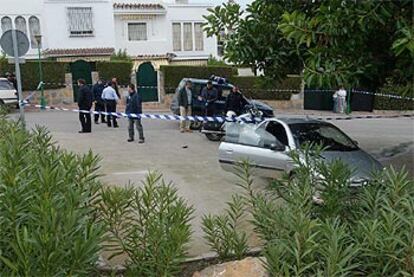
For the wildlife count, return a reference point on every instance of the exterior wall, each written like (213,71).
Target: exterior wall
(26,9)
(157,35)
(56,30)
(159,30)
(190,13)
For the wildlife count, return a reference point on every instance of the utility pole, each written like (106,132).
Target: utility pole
(41,84)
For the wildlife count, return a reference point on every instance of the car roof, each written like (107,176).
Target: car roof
(3,79)
(204,82)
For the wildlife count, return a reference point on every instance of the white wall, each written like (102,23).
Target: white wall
(159,28)
(56,29)
(157,36)
(26,9)
(190,13)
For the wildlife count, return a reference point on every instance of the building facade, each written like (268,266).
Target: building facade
(168,31)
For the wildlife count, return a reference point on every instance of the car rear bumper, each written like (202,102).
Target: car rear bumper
(9,101)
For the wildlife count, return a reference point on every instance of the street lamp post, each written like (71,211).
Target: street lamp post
(42,93)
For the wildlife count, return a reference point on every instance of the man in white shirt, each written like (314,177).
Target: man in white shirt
(110,98)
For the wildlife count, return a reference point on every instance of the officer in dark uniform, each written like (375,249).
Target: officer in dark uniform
(99,103)
(235,101)
(85,98)
(209,95)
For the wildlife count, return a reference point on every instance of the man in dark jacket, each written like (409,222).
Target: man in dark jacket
(134,106)
(235,101)
(209,95)
(185,101)
(85,98)
(99,103)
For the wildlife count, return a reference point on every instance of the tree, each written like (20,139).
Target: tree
(338,42)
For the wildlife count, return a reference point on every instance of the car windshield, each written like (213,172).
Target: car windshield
(323,134)
(5,85)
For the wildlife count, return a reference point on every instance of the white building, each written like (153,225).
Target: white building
(168,31)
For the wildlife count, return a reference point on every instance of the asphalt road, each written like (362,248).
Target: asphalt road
(194,169)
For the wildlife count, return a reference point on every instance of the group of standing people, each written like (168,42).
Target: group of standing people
(235,102)
(106,96)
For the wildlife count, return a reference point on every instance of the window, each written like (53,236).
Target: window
(6,24)
(137,31)
(34,27)
(188,36)
(198,36)
(80,22)
(176,36)
(20,24)
(6,85)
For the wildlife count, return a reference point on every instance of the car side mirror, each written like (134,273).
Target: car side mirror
(277,147)
(356,142)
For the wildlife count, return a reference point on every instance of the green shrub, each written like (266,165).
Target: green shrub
(151,225)
(349,233)
(48,206)
(173,74)
(222,234)
(265,89)
(386,103)
(122,70)
(53,73)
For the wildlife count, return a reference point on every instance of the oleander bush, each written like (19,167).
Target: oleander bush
(48,206)
(223,233)
(149,224)
(316,225)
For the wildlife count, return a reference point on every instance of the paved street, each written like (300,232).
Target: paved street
(195,169)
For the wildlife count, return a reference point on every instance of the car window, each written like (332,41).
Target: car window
(6,85)
(323,134)
(278,131)
(226,92)
(249,134)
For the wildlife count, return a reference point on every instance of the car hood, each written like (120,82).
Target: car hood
(362,164)
(260,105)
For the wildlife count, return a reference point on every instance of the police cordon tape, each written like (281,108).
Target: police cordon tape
(394,96)
(219,119)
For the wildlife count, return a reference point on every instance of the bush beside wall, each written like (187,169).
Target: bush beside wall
(174,73)
(119,69)
(53,73)
(386,103)
(260,88)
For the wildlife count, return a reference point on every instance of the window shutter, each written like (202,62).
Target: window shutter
(176,36)
(188,36)
(199,38)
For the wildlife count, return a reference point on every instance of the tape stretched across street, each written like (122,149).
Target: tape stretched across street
(219,119)
(270,90)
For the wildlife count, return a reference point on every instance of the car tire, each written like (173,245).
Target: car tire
(214,137)
(196,125)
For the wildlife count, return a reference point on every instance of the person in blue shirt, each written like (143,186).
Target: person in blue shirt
(134,106)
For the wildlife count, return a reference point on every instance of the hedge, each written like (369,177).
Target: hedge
(53,73)
(261,88)
(386,103)
(119,69)
(173,74)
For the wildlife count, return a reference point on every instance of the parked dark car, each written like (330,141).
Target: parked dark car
(223,89)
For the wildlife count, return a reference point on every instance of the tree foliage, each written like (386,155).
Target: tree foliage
(351,43)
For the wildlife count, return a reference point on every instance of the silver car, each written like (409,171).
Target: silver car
(267,145)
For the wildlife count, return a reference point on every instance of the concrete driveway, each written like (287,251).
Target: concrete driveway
(194,169)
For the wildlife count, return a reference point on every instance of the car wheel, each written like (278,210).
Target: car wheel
(196,125)
(214,137)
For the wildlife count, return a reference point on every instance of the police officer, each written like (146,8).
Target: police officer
(235,102)
(111,98)
(209,95)
(99,103)
(85,98)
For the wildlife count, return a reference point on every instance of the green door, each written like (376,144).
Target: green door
(80,70)
(147,82)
